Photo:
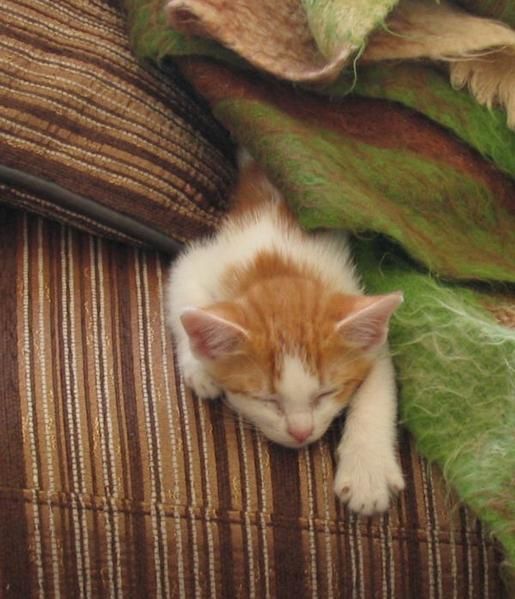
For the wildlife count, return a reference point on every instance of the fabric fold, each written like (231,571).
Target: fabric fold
(271,36)
(313,41)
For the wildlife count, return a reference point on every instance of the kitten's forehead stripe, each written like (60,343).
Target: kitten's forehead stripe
(295,381)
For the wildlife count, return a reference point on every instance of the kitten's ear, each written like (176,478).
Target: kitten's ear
(211,334)
(367,325)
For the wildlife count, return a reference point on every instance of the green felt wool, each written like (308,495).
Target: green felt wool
(152,39)
(427,90)
(456,371)
(458,230)
(337,23)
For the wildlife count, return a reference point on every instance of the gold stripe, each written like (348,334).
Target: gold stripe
(435,532)
(389,541)
(208,508)
(150,394)
(348,517)
(305,461)
(356,520)
(454,565)
(105,428)
(357,523)
(73,419)
(327,488)
(193,502)
(468,549)
(148,437)
(246,509)
(429,536)
(74,313)
(484,561)
(382,542)
(176,487)
(49,430)
(107,355)
(30,410)
(266,536)
(156,358)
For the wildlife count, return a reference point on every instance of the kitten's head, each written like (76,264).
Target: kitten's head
(289,356)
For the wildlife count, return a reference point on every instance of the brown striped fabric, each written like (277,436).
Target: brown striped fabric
(116,482)
(77,109)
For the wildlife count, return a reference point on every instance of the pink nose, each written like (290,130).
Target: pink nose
(300,434)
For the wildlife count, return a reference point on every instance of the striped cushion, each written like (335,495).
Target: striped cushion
(115,482)
(78,111)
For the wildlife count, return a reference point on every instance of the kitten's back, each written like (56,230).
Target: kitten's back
(260,222)
(261,230)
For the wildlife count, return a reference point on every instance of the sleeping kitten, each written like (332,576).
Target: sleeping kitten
(275,318)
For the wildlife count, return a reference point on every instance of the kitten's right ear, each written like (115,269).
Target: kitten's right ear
(367,324)
(210,334)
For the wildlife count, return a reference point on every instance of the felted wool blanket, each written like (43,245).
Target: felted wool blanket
(394,121)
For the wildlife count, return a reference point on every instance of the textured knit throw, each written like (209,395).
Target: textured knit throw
(326,94)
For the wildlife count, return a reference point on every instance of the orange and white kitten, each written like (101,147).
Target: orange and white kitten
(275,318)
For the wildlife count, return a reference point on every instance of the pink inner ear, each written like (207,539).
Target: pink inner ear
(367,326)
(210,335)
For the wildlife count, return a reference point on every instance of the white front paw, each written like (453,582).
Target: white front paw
(196,377)
(366,481)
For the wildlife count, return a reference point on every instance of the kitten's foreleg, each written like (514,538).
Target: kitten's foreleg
(368,472)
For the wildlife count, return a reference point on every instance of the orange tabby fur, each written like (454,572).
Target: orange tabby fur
(275,319)
(282,304)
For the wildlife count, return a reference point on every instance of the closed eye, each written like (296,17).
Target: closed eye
(270,402)
(270,399)
(326,393)
(348,387)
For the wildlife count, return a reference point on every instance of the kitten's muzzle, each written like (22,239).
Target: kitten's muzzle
(300,426)
(300,434)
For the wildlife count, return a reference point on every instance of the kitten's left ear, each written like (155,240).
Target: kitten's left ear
(211,332)
(367,325)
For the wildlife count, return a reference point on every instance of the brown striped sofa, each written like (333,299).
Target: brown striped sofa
(114,480)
